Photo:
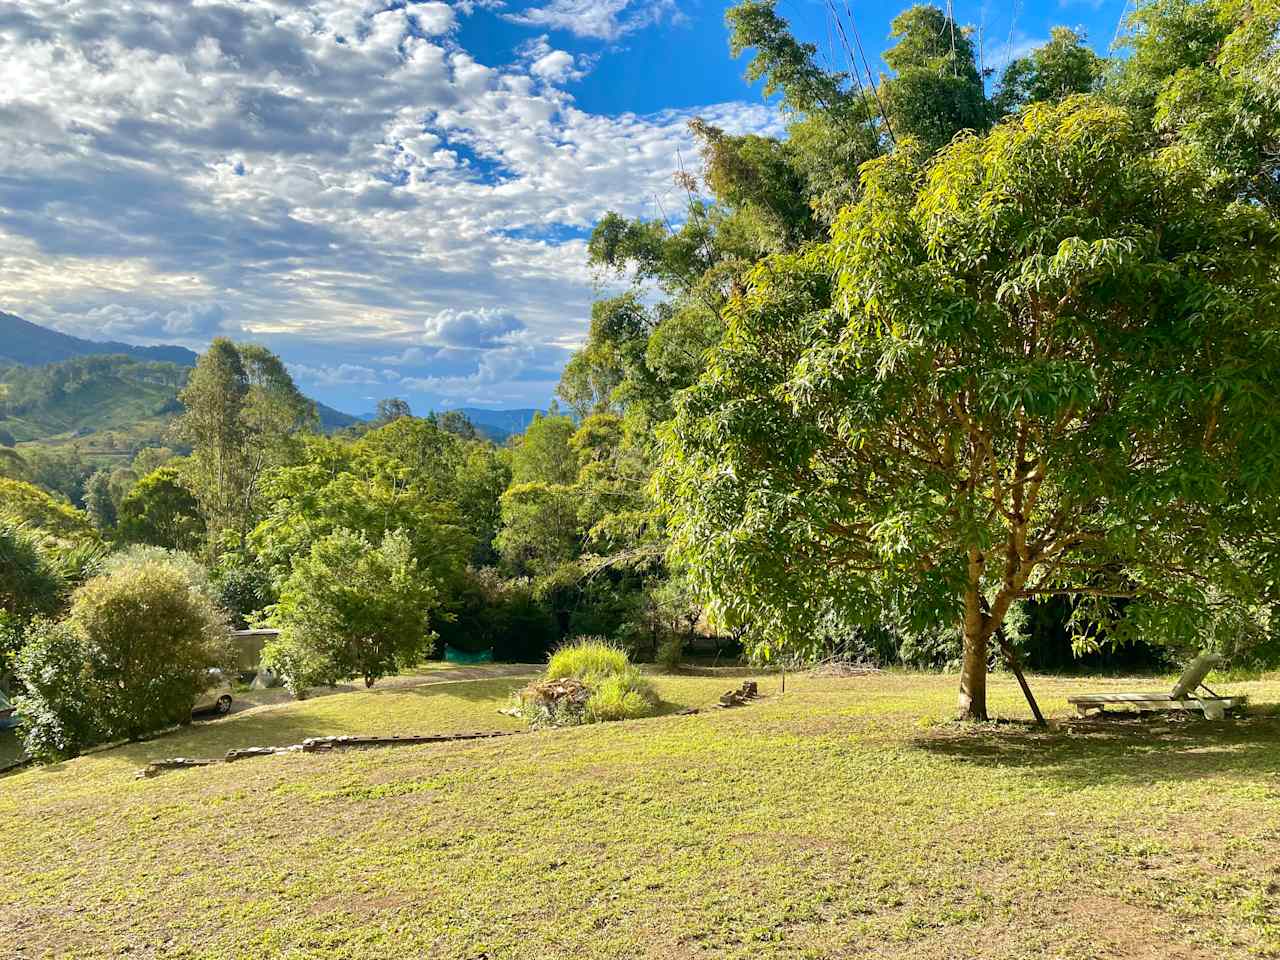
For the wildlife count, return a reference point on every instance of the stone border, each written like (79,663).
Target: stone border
(746,693)
(316,745)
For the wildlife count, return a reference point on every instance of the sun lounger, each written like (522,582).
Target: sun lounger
(1189,693)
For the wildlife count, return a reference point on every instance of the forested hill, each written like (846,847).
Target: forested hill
(499,424)
(28,344)
(97,394)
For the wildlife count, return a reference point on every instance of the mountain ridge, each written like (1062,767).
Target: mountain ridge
(117,404)
(27,344)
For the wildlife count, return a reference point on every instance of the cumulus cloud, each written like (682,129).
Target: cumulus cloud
(333,375)
(554,66)
(603,19)
(191,322)
(472,328)
(309,171)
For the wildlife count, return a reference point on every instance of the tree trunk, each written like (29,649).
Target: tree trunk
(973,670)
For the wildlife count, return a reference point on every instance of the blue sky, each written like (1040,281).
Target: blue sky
(394,196)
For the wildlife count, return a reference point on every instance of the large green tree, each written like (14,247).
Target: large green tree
(1045,362)
(1206,75)
(242,410)
(159,510)
(352,609)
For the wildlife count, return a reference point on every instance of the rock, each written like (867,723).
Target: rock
(736,698)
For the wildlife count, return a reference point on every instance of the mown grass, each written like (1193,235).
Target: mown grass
(848,818)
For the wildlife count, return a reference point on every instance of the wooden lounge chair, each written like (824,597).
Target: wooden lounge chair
(1183,696)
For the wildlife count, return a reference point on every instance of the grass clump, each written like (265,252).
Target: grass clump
(588,680)
(587,659)
(623,696)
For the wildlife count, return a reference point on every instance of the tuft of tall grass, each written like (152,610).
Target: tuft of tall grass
(623,696)
(589,659)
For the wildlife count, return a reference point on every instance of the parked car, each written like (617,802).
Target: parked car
(8,715)
(216,697)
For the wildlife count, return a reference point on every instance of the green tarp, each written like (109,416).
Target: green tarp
(454,655)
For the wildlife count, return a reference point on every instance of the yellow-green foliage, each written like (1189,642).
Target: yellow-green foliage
(623,696)
(587,659)
(619,691)
(22,502)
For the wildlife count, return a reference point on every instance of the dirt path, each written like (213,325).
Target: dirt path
(255,699)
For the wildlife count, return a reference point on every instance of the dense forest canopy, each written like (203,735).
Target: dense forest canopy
(937,355)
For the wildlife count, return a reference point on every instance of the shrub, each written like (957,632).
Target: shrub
(59,717)
(187,566)
(129,660)
(587,681)
(349,609)
(623,696)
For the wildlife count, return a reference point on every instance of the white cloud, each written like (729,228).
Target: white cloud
(334,375)
(472,328)
(323,172)
(603,19)
(189,322)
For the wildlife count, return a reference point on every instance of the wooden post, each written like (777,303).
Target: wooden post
(1012,659)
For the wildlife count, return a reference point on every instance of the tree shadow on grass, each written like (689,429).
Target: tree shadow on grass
(1120,749)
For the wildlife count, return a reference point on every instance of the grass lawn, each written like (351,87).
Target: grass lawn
(847,818)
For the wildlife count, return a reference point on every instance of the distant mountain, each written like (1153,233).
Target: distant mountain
(331,419)
(29,345)
(62,388)
(497,425)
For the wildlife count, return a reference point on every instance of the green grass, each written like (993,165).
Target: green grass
(847,818)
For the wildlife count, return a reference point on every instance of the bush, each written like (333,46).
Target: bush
(58,714)
(587,681)
(623,696)
(129,660)
(350,609)
(187,566)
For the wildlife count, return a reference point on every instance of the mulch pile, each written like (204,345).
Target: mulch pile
(565,693)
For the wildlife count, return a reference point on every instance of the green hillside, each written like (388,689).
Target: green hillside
(106,404)
(89,395)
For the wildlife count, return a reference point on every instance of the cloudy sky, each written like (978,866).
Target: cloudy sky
(393,195)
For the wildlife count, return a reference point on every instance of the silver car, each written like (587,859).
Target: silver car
(216,697)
